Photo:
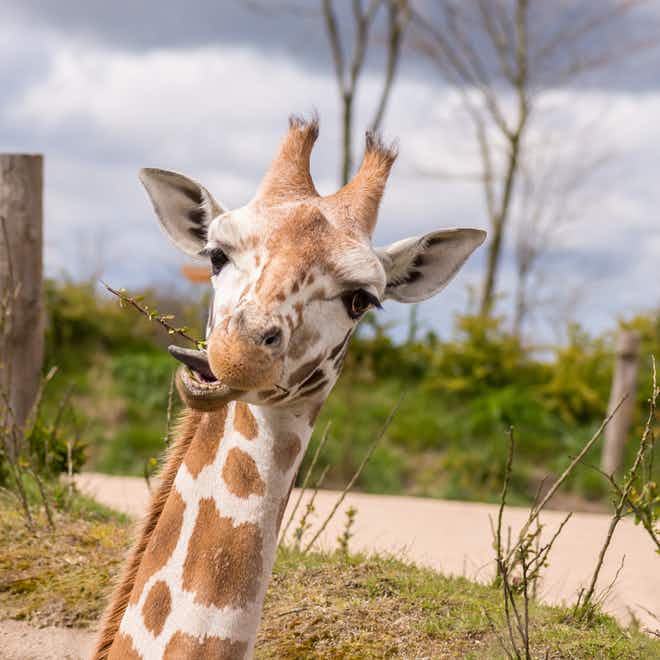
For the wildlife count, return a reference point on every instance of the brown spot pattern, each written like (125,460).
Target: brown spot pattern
(182,646)
(157,607)
(301,340)
(314,412)
(304,370)
(299,311)
(286,450)
(316,389)
(175,454)
(123,649)
(340,346)
(244,421)
(161,543)
(314,377)
(224,563)
(206,441)
(241,474)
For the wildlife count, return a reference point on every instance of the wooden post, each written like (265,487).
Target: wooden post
(21,267)
(624,381)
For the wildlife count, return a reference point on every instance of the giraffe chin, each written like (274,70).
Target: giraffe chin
(201,394)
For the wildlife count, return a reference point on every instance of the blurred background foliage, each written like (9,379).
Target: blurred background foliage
(448,439)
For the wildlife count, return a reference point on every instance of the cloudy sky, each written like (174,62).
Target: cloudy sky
(205,88)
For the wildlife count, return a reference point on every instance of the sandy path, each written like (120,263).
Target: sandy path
(455,538)
(20,641)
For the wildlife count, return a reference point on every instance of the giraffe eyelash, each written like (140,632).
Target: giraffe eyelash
(358,302)
(218,258)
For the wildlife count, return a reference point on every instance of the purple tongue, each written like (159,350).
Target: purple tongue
(194,359)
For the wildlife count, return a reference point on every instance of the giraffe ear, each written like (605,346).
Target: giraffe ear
(419,267)
(183,207)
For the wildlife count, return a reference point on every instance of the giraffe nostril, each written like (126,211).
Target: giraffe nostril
(272,338)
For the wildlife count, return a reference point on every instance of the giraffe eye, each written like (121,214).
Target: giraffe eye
(218,260)
(358,302)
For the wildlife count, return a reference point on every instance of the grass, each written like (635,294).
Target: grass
(318,606)
(60,578)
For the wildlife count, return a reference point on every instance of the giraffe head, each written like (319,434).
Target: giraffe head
(293,273)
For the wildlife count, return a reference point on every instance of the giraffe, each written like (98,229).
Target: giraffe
(293,272)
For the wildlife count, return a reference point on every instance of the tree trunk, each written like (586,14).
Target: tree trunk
(346,137)
(21,351)
(499,222)
(492,266)
(624,382)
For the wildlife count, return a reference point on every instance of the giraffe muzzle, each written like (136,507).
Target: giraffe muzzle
(247,359)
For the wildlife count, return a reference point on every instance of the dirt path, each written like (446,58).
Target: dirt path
(455,538)
(20,641)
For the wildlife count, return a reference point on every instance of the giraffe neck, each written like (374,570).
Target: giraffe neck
(200,585)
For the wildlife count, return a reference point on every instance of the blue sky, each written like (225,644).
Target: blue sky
(205,88)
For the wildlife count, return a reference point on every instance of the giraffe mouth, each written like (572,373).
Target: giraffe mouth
(198,387)
(196,361)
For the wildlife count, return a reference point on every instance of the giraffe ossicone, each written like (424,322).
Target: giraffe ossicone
(293,274)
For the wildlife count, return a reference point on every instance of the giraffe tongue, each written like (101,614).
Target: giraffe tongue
(195,360)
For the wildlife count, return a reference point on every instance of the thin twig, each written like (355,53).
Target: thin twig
(498,637)
(303,487)
(69,467)
(505,491)
(168,417)
(534,513)
(44,497)
(309,509)
(350,484)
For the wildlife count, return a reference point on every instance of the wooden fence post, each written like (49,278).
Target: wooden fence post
(624,381)
(21,266)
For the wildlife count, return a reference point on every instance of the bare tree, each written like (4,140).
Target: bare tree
(552,193)
(502,56)
(348,68)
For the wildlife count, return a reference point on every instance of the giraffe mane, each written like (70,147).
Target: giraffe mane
(184,432)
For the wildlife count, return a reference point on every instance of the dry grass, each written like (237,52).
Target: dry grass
(322,606)
(61,577)
(318,606)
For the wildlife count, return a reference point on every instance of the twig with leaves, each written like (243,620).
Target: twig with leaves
(346,534)
(154,315)
(519,568)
